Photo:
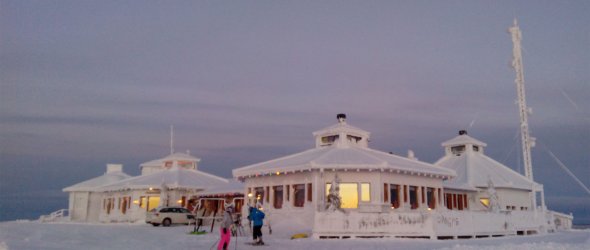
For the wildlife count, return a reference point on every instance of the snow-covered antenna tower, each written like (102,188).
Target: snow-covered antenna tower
(526,139)
(171,139)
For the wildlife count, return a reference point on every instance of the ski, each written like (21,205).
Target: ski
(255,244)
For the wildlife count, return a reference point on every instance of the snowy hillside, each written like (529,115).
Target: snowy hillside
(34,235)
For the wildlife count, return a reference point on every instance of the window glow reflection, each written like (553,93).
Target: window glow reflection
(349,194)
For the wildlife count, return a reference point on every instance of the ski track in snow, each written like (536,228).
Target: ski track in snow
(34,235)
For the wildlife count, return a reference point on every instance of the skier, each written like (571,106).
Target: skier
(225,228)
(256,216)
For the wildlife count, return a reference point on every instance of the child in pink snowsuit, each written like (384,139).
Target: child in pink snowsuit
(225,229)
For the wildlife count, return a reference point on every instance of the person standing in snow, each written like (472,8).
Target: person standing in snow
(225,228)
(256,216)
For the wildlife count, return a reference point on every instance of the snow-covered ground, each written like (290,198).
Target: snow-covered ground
(36,235)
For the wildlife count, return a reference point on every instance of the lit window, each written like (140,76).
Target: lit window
(153,202)
(259,194)
(349,194)
(485,202)
(365,192)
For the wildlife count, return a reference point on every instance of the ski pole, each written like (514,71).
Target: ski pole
(214,243)
(236,246)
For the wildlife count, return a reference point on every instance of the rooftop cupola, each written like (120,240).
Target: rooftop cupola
(463,143)
(341,134)
(180,160)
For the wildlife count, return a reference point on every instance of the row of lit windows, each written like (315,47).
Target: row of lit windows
(296,194)
(149,202)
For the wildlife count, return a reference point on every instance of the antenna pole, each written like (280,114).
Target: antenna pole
(171,139)
(526,139)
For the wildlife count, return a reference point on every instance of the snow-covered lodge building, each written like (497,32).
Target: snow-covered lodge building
(463,195)
(170,181)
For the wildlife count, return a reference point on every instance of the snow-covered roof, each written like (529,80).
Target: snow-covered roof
(173,178)
(172,157)
(232,187)
(341,157)
(181,157)
(463,139)
(474,169)
(94,183)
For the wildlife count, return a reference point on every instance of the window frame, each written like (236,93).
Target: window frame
(277,202)
(394,203)
(298,195)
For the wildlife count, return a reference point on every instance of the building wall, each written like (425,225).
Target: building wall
(433,224)
(318,181)
(516,199)
(78,206)
(94,208)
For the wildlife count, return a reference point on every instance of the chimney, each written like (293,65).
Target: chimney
(114,168)
(341,118)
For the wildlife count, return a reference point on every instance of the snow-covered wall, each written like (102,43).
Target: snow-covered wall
(429,224)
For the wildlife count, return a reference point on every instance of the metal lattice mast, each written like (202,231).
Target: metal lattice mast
(171,139)
(526,139)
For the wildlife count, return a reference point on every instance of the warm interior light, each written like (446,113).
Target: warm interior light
(249,195)
(151,188)
(278,173)
(179,201)
(485,201)
(135,201)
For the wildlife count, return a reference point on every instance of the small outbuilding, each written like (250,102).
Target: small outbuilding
(482,183)
(84,200)
(170,181)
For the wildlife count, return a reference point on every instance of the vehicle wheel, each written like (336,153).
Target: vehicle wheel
(166,222)
(155,224)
